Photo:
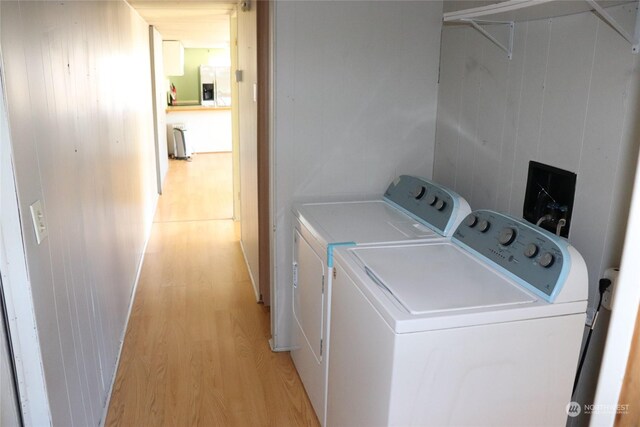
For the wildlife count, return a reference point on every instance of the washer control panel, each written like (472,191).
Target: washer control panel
(538,259)
(424,199)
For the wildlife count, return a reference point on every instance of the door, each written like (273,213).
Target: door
(158,97)
(630,394)
(308,293)
(9,407)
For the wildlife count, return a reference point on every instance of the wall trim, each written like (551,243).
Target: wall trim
(253,282)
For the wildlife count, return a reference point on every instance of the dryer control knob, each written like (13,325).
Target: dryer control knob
(531,250)
(440,204)
(419,192)
(432,200)
(484,225)
(546,260)
(507,236)
(471,221)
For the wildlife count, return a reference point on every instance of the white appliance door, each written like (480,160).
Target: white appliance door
(308,293)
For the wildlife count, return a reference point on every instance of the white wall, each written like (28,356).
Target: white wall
(79,91)
(569,98)
(158,105)
(355,105)
(248,136)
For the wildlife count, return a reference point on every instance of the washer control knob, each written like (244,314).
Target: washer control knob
(507,236)
(419,192)
(484,225)
(531,250)
(432,199)
(471,221)
(546,260)
(440,204)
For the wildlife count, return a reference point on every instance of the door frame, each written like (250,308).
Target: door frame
(624,312)
(264,61)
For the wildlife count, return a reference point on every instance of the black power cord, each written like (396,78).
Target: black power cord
(603,285)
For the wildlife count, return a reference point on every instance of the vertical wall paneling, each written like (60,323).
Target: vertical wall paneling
(531,105)
(16,285)
(79,105)
(248,135)
(355,95)
(567,98)
(159,103)
(491,110)
(508,137)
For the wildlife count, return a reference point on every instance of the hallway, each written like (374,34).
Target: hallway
(196,351)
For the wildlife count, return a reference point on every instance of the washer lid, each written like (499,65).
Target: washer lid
(363,222)
(439,278)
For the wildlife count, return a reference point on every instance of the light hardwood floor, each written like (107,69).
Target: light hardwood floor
(196,350)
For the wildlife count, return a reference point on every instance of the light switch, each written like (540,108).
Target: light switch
(255,92)
(39,223)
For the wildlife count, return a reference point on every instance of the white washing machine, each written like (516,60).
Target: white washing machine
(412,209)
(481,330)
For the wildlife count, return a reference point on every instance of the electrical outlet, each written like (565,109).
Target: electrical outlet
(39,223)
(607,297)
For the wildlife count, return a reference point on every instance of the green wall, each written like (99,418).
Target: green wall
(187,86)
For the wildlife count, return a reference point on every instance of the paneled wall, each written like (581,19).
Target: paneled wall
(79,104)
(568,98)
(355,98)
(248,136)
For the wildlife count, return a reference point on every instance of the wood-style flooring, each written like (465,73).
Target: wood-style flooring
(196,351)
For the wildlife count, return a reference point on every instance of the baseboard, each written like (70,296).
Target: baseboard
(278,349)
(253,282)
(126,323)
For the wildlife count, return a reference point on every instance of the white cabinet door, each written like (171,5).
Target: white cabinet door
(308,293)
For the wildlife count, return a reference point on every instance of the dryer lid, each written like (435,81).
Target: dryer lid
(434,278)
(363,222)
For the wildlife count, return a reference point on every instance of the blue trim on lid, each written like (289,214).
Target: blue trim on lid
(330,247)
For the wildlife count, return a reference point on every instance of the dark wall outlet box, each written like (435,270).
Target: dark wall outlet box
(548,200)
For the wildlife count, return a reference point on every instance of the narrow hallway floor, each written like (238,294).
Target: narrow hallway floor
(196,350)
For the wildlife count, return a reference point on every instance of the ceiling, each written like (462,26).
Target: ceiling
(196,23)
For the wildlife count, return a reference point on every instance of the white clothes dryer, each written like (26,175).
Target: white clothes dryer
(412,209)
(482,330)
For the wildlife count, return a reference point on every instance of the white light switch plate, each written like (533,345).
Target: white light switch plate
(39,223)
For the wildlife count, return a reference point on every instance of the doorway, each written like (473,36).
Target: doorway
(193,24)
